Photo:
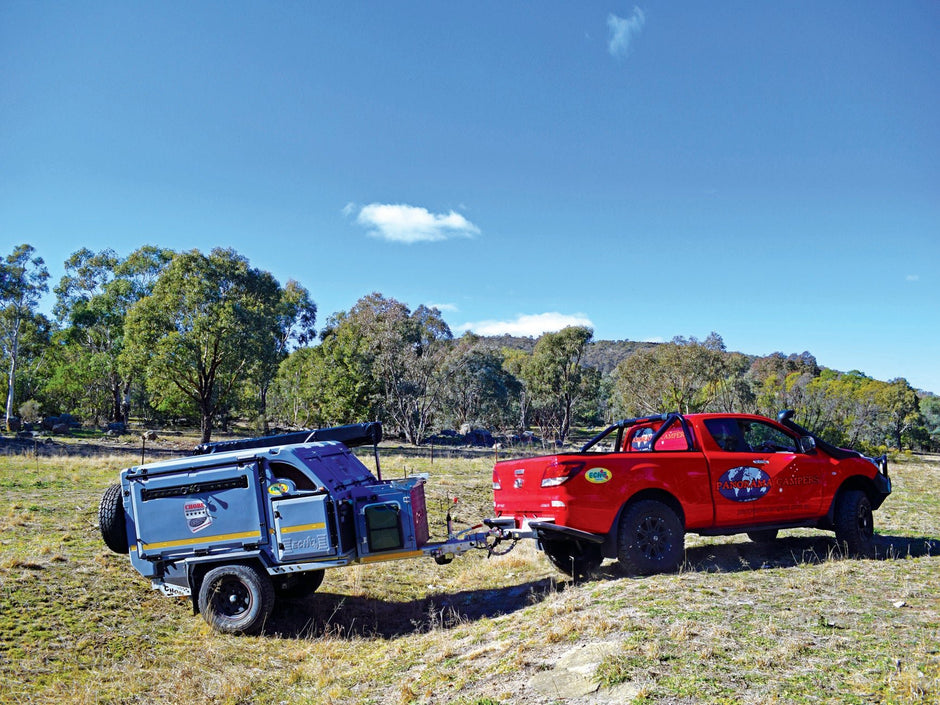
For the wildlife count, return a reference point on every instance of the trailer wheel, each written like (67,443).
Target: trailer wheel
(111,519)
(299,584)
(762,535)
(236,599)
(651,539)
(854,524)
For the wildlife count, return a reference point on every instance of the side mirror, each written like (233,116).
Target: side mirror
(807,444)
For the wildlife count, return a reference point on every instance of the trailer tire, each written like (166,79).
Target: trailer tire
(855,527)
(572,560)
(651,539)
(236,599)
(111,519)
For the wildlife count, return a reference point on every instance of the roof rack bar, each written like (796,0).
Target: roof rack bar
(351,435)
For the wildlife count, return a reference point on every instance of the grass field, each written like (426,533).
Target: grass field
(740,623)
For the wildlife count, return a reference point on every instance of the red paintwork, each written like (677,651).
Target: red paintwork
(800,487)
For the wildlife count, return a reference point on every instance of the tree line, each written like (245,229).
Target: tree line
(168,336)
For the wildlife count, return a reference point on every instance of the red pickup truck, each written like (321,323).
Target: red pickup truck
(634,490)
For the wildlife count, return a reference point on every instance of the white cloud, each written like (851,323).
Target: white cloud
(912,278)
(623,31)
(452,308)
(528,325)
(408,224)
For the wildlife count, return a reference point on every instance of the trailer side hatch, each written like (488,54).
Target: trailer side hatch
(302,528)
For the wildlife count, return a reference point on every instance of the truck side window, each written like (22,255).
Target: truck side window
(289,472)
(727,435)
(764,438)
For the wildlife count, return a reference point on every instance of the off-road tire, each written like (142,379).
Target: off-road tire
(236,599)
(111,519)
(854,524)
(651,539)
(299,584)
(762,535)
(578,563)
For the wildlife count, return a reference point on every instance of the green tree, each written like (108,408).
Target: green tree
(381,360)
(514,361)
(557,381)
(93,298)
(209,320)
(295,319)
(478,390)
(901,409)
(685,375)
(930,409)
(23,278)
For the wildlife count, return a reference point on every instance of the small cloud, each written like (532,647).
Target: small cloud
(409,224)
(912,278)
(452,308)
(623,31)
(528,325)
(348,209)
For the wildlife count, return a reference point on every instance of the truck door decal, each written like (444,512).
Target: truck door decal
(744,484)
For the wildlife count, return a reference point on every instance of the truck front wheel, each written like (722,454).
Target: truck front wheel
(236,599)
(651,539)
(855,526)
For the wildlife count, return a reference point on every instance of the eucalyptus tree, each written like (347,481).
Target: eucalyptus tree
(92,301)
(478,390)
(295,318)
(205,326)
(684,375)
(23,278)
(556,380)
(380,360)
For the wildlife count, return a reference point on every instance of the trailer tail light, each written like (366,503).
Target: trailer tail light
(558,473)
(496,485)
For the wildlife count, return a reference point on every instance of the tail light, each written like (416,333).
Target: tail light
(559,472)
(496,485)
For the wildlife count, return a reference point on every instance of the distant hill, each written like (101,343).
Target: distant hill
(603,355)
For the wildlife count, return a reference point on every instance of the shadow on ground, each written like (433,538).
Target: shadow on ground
(346,616)
(792,551)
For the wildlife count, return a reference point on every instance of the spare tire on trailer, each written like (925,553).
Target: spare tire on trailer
(111,519)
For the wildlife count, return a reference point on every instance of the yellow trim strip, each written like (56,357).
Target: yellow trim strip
(302,527)
(201,539)
(391,556)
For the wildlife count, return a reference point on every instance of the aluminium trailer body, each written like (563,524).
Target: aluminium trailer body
(231,527)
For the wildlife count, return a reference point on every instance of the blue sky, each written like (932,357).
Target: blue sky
(769,171)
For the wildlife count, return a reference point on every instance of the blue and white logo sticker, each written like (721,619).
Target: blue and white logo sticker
(744,484)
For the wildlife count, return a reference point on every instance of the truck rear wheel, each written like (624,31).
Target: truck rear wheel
(651,539)
(854,524)
(570,559)
(111,519)
(236,599)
